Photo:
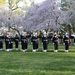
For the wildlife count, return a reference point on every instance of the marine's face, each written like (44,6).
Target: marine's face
(45,35)
(8,35)
(66,34)
(34,35)
(22,33)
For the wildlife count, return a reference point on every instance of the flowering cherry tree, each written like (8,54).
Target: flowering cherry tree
(43,16)
(13,22)
(70,16)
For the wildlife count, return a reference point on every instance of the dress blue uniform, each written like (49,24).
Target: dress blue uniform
(44,42)
(16,40)
(24,41)
(66,42)
(34,40)
(8,42)
(1,42)
(55,42)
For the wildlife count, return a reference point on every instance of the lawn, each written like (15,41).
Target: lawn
(38,63)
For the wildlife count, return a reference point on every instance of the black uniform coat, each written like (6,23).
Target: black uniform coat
(16,40)
(74,39)
(45,42)
(55,41)
(66,42)
(24,42)
(8,42)
(1,41)
(34,40)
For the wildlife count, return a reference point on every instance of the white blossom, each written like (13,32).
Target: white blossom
(70,14)
(43,16)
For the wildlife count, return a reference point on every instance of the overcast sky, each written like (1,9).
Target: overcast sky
(35,1)
(38,1)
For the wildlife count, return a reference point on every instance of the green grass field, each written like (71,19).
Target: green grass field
(38,63)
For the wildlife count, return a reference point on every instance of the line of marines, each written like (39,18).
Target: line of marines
(34,38)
